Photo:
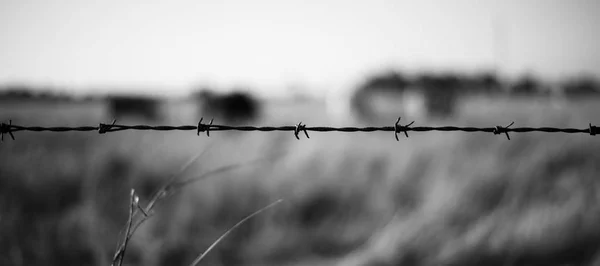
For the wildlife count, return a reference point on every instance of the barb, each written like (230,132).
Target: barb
(103,128)
(296,129)
(499,130)
(300,127)
(398,128)
(6,129)
(203,127)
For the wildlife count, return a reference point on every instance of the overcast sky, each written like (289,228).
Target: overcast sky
(271,44)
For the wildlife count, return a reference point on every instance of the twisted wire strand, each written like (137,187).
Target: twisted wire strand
(9,128)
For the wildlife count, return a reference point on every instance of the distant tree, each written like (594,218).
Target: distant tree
(437,91)
(234,108)
(489,83)
(52,95)
(526,85)
(441,94)
(389,82)
(583,86)
(482,83)
(16,92)
(30,93)
(133,106)
(424,80)
(359,104)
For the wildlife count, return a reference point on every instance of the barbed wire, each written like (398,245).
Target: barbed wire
(396,128)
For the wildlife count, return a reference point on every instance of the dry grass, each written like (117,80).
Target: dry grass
(351,199)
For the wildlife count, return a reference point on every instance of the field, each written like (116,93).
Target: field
(349,198)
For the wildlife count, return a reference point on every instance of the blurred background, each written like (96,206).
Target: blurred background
(359,199)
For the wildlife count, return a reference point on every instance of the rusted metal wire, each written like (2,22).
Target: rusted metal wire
(9,128)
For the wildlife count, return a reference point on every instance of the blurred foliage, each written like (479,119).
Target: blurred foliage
(39,94)
(478,83)
(351,199)
(581,86)
(482,82)
(526,85)
(236,105)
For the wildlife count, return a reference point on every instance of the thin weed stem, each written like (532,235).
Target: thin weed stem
(214,244)
(167,189)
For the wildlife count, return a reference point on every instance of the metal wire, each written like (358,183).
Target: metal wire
(9,128)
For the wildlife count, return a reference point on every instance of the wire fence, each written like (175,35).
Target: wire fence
(396,128)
